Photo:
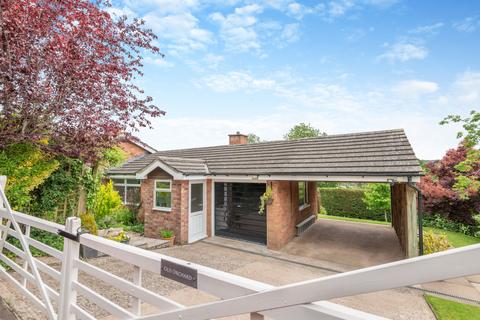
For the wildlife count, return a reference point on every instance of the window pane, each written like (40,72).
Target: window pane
(163,185)
(121,191)
(118,181)
(133,181)
(196,201)
(301,193)
(133,195)
(163,199)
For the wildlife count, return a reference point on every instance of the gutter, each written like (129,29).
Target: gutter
(420,215)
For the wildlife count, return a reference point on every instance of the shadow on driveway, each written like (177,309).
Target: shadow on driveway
(349,243)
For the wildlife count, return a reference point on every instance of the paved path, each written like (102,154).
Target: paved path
(5,313)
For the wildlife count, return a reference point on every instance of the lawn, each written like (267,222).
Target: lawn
(456,239)
(451,310)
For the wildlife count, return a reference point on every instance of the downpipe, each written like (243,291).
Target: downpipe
(420,215)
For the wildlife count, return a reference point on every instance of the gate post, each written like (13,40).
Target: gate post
(71,251)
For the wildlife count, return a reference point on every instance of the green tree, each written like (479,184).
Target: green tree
(303,130)
(377,198)
(106,203)
(468,181)
(253,138)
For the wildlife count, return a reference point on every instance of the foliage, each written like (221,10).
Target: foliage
(329,217)
(347,203)
(264,198)
(328,184)
(125,216)
(166,234)
(303,130)
(452,310)
(112,157)
(438,221)
(138,228)
(67,70)
(26,167)
(121,237)
(322,211)
(56,197)
(89,223)
(456,239)
(438,188)
(377,198)
(434,242)
(253,138)
(468,175)
(107,202)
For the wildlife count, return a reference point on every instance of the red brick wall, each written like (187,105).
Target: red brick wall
(156,220)
(208,203)
(131,150)
(283,214)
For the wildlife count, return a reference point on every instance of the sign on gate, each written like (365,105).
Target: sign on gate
(179,273)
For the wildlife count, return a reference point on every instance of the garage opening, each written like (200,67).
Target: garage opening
(236,211)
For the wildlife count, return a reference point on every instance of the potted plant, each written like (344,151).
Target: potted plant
(121,237)
(88,224)
(168,235)
(265,199)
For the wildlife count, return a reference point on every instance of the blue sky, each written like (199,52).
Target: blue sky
(340,65)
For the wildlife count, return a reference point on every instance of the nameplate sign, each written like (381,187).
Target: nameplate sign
(179,273)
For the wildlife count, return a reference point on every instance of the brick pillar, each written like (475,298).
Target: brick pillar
(208,204)
(184,204)
(280,218)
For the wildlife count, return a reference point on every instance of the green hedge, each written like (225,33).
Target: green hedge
(347,203)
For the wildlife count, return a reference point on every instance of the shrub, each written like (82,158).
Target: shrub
(347,203)
(322,210)
(440,222)
(106,203)
(166,234)
(89,223)
(377,198)
(125,216)
(433,242)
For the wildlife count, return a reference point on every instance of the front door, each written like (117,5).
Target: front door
(197,224)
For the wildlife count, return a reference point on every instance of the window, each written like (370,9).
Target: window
(302,194)
(163,195)
(128,189)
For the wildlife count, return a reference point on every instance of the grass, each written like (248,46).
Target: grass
(452,310)
(456,239)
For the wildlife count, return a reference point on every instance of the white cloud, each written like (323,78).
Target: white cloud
(466,88)
(339,7)
(234,81)
(428,29)
(118,12)
(404,51)
(356,35)
(159,62)
(291,32)
(469,24)
(181,30)
(238,29)
(415,88)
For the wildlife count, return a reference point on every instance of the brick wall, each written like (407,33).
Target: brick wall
(283,214)
(131,150)
(156,220)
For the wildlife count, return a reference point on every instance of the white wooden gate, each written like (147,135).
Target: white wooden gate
(302,301)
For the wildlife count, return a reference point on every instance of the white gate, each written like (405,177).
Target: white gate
(302,301)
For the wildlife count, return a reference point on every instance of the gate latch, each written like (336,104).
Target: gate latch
(71,236)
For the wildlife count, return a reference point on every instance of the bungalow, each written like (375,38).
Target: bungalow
(201,192)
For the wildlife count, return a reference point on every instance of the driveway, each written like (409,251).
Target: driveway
(245,259)
(348,243)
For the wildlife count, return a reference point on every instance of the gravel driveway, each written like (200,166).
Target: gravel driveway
(394,304)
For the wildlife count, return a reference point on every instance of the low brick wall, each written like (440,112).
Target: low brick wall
(283,214)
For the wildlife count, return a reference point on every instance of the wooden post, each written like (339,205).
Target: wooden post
(137,279)
(71,251)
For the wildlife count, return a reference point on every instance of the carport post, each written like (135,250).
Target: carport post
(420,215)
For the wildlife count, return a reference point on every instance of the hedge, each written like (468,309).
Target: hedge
(347,203)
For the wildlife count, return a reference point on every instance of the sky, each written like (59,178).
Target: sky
(341,65)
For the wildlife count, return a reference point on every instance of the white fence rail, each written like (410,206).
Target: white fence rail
(239,295)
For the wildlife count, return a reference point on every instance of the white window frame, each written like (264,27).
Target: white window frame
(306,204)
(155,189)
(125,185)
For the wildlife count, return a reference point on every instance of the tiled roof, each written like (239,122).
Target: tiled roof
(362,154)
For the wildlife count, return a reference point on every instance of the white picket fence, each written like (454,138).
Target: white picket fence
(238,295)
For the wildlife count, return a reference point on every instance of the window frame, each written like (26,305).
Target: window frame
(306,202)
(125,186)
(155,189)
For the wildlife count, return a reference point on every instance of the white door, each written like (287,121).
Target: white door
(197,222)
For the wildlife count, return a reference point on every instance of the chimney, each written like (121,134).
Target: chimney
(237,138)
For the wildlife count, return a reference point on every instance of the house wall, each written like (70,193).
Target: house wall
(131,150)
(283,214)
(176,219)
